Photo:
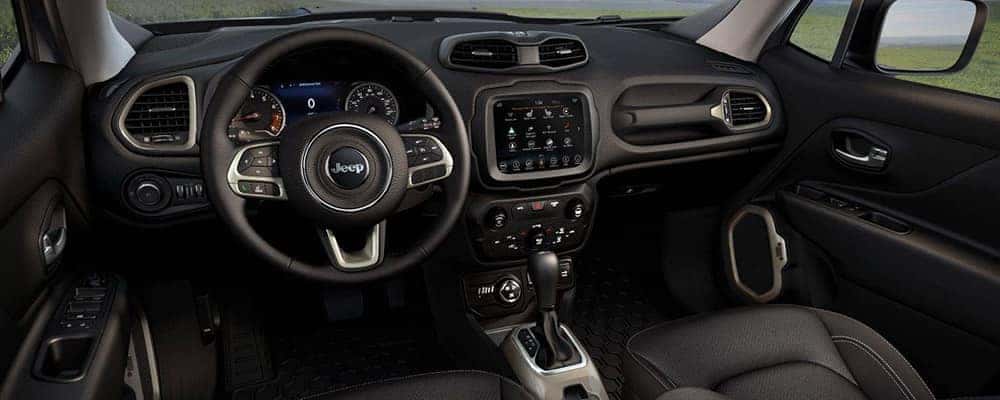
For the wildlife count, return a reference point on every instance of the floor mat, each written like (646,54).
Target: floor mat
(612,304)
(339,355)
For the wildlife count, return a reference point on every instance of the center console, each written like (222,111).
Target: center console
(538,136)
(535,147)
(509,228)
(546,356)
(535,131)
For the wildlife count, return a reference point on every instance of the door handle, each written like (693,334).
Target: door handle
(873,156)
(53,245)
(53,239)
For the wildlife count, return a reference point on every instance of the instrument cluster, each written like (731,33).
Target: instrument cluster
(269,109)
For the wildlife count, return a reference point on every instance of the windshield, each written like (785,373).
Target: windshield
(152,11)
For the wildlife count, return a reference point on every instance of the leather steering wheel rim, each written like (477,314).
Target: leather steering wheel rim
(218,151)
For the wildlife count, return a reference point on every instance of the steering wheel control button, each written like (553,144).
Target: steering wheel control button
(259,162)
(422,151)
(259,188)
(508,290)
(348,168)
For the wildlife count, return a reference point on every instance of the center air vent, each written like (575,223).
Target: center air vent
(745,110)
(492,54)
(561,52)
(160,115)
(516,52)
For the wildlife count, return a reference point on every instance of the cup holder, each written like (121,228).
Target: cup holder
(65,359)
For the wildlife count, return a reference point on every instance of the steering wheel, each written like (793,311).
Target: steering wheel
(344,172)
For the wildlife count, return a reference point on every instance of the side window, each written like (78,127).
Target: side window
(818,31)
(8,31)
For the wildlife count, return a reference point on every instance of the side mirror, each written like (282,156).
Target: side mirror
(929,36)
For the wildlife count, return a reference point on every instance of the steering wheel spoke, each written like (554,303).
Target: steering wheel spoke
(428,159)
(366,253)
(254,173)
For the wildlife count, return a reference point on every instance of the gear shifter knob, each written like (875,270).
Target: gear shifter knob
(544,270)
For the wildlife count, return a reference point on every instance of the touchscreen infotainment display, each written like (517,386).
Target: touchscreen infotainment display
(540,133)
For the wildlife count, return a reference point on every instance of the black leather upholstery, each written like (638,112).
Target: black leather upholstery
(770,352)
(448,385)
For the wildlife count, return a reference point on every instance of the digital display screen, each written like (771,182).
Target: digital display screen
(540,133)
(303,99)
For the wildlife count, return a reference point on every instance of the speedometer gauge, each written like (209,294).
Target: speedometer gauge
(261,112)
(374,99)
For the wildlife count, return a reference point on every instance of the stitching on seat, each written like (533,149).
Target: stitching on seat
(643,362)
(896,379)
(404,378)
(776,365)
(923,383)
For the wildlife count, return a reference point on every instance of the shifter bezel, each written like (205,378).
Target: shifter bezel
(530,358)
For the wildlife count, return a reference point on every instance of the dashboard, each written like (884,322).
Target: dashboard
(533,129)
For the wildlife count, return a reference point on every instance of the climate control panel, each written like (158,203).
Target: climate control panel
(512,228)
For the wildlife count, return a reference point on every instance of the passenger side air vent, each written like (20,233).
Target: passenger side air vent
(490,54)
(160,115)
(561,52)
(745,110)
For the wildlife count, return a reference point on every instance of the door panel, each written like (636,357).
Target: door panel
(917,239)
(42,213)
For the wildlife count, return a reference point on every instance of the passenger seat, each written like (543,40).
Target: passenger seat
(769,352)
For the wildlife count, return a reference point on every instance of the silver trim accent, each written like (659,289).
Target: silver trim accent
(723,112)
(192,116)
(147,342)
(549,385)
(366,257)
(778,250)
(531,357)
(234,176)
(382,146)
(446,160)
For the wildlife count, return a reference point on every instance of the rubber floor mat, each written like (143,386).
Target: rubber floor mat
(313,360)
(612,304)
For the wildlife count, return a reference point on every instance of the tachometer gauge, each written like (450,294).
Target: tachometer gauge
(375,99)
(261,113)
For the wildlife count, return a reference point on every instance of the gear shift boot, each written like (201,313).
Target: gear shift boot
(555,349)
(562,354)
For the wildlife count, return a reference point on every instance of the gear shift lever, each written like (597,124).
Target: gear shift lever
(544,270)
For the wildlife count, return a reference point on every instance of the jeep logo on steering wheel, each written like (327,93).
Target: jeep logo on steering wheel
(347,167)
(343,169)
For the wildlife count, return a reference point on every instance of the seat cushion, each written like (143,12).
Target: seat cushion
(448,385)
(770,352)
